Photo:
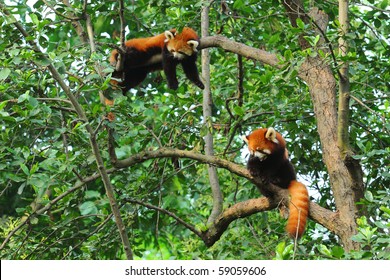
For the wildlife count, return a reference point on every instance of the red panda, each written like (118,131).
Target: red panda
(269,160)
(162,52)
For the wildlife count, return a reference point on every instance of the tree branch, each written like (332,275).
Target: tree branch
(121,51)
(241,49)
(207,118)
(170,214)
(229,45)
(344,87)
(274,194)
(268,190)
(76,24)
(237,211)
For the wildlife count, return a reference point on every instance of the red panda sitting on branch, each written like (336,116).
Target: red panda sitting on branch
(162,52)
(268,160)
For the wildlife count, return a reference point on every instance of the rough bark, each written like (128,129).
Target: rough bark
(345,178)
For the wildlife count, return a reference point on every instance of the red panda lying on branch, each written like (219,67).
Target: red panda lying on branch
(269,160)
(162,52)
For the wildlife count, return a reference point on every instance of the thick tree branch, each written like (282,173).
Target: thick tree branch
(275,195)
(241,49)
(237,211)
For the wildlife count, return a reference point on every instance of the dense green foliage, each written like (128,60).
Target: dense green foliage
(45,149)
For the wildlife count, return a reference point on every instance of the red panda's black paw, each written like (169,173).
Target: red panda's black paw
(173,85)
(200,85)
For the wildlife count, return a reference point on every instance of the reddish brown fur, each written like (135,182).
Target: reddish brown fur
(299,197)
(162,52)
(257,140)
(299,209)
(141,44)
(179,43)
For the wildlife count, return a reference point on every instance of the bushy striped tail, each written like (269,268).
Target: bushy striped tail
(299,209)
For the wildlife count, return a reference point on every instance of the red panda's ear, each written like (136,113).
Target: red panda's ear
(271,135)
(193,44)
(169,35)
(245,138)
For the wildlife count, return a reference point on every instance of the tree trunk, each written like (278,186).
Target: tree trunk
(345,179)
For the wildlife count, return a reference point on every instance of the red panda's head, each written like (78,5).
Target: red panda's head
(264,141)
(183,44)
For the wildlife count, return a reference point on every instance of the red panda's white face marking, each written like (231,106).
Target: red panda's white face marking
(261,154)
(257,151)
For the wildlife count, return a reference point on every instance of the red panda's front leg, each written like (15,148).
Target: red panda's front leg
(169,67)
(191,71)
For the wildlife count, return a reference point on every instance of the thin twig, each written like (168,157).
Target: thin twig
(368,108)
(101,225)
(170,214)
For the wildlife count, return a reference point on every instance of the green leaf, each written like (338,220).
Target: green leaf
(300,24)
(377,23)
(177,184)
(324,250)
(88,208)
(238,110)
(368,195)
(316,39)
(21,188)
(23,97)
(25,169)
(279,250)
(385,209)
(274,39)
(2,104)
(149,113)
(384,4)
(337,251)
(34,220)
(34,168)
(288,55)
(4,73)
(238,4)
(92,194)
(34,19)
